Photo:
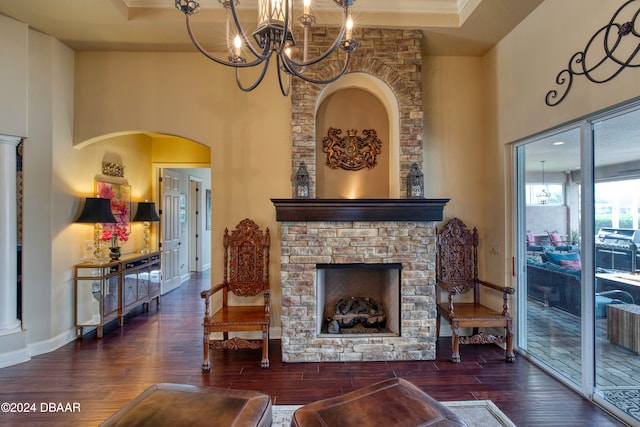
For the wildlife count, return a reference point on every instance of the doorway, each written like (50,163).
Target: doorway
(578,239)
(185,240)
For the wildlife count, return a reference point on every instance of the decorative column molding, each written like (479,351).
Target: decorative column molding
(9,322)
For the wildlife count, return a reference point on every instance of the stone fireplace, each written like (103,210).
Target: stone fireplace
(372,232)
(399,233)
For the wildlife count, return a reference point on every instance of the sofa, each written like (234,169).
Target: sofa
(556,282)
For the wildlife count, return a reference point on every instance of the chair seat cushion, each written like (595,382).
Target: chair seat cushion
(240,315)
(394,402)
(186,405)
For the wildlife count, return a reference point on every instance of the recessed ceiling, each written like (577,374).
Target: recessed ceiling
(450,27)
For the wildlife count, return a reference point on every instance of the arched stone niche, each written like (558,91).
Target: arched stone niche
(388,67)
(358,102)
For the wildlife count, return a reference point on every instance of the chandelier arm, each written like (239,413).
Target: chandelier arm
(267,48)
(203,51)
(291,70)
(258,80)
(285,92)
(330,50)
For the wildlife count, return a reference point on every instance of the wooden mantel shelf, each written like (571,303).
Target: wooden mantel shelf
(359,209)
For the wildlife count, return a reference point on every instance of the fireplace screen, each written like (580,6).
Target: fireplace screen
(358,299)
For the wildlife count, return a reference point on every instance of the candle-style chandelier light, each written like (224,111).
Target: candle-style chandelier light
(273,36)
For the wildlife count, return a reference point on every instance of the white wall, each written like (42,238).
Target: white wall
(13,77)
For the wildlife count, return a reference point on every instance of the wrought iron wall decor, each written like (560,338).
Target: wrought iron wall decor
(351,152)
(619,52)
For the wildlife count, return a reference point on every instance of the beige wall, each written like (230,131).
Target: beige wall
(520,71)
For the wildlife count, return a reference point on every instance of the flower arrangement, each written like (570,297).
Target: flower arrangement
(120,208)
(116,233)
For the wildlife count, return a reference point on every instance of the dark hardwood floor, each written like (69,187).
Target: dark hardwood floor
(164,345)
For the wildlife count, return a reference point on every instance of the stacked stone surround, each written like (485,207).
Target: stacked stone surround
(305,244)
(394,57)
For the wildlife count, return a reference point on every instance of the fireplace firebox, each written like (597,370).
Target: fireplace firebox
(358,299)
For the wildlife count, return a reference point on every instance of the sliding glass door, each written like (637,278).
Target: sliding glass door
(550,238)
(578,192)
(616,155)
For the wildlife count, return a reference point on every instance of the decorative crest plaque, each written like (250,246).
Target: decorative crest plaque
(351,152)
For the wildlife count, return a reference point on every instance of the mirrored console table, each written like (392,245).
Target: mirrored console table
(106,292)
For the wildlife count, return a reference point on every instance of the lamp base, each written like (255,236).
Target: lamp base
(114,253)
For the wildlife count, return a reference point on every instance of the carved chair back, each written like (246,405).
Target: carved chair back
(457,258)
(246,258)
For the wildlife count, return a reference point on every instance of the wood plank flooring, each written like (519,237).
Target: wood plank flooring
(164,345)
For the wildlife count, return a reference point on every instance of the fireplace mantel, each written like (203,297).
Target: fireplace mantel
(359,209)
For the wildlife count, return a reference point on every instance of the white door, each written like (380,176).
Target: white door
(170,188)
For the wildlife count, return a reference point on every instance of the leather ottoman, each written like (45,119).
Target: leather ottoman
(187,405)
(394,402)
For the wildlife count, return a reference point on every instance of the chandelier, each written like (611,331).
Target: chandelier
(543,195)
(273,36)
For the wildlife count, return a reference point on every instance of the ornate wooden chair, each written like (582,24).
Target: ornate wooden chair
(246,274)
(457,273)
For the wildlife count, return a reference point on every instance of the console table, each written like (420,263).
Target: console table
(108,291)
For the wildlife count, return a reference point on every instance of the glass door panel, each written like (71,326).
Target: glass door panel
(616,261)
(550,245)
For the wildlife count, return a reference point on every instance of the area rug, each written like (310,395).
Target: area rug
(476,413)
(626,400)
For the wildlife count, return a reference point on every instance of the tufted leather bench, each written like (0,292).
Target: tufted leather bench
(186,405)
(394,402)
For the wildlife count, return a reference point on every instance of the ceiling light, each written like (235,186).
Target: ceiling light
(273,36)
(558,143)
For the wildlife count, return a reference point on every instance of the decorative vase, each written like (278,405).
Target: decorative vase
(114,253)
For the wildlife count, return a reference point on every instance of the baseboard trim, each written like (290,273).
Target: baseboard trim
(14,357)
(51,344)
(24,354)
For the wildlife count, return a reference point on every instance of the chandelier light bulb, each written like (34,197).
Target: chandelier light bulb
(349,28)
(307,5)
(237,44)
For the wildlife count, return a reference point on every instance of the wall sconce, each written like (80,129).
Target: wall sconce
(302,182)
(415,183)
(97,211)
(146,214)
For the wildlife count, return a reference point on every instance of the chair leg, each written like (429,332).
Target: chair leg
(265,348)
(509,354)
(206,363)
(455,344)
(437,326)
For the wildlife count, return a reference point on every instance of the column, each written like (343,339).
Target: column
(9,322)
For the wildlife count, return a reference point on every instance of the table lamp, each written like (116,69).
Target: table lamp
(97,211)
(146,214)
